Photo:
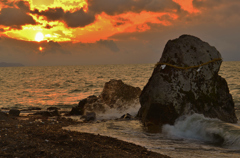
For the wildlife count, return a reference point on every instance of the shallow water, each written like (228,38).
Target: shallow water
(193,137)
(64,86)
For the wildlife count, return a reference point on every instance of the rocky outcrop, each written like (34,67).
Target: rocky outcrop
(186,81)
(115,95)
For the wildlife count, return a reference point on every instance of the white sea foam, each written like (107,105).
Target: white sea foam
(112,113)
(198,127)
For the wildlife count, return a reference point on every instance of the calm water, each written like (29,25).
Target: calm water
(64,86)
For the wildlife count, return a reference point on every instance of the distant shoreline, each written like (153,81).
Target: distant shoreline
(4,64)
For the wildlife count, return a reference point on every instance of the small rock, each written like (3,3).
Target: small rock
(34,108)
(90,116)
(126,116)
(14,112)
(75,111)
(47,113)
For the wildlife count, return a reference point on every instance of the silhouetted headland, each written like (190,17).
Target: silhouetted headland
(4,64)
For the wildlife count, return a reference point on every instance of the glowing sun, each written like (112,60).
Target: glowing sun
(40,48)
(39,37)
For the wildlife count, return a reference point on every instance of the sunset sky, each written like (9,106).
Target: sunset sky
(67,32)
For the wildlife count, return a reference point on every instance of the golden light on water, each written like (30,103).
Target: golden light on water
(39,37)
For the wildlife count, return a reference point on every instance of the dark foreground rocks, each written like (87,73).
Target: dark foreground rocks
(115,95)
(186,81)
(14,112)
(36,136)
(3,116)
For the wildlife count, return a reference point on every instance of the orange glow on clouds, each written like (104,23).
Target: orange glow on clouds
(187,5)
(103,27)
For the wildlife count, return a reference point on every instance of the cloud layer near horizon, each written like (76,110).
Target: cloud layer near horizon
(108,32)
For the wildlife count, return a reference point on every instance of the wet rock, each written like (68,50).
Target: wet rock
(75,111)
(115,91)
(14,112)
(127,116)
(79,109)
(55,113)
(115,94)
(173,91)
(53,108)
(48,113)
(90,116)
(34,108)
(43,113)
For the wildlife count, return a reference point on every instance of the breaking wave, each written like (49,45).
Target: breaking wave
(209,130)
(112,113)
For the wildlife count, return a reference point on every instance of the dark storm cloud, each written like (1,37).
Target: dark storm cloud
(53,47)
(223,12)
(51,14)
(78,18)
(15,17)
(16,14)
(122,6)
(206,4)
(110,44)
(23,5)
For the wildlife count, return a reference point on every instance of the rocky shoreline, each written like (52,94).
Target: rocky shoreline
(41,136)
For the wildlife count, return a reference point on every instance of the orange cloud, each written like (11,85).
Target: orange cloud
(106,25)
(86,21)
(187,5)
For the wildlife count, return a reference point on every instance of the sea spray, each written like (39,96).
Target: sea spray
(111,113)
(133,131)
(209,130)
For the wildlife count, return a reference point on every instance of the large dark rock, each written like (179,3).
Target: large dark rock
(172,91)
(115,95)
